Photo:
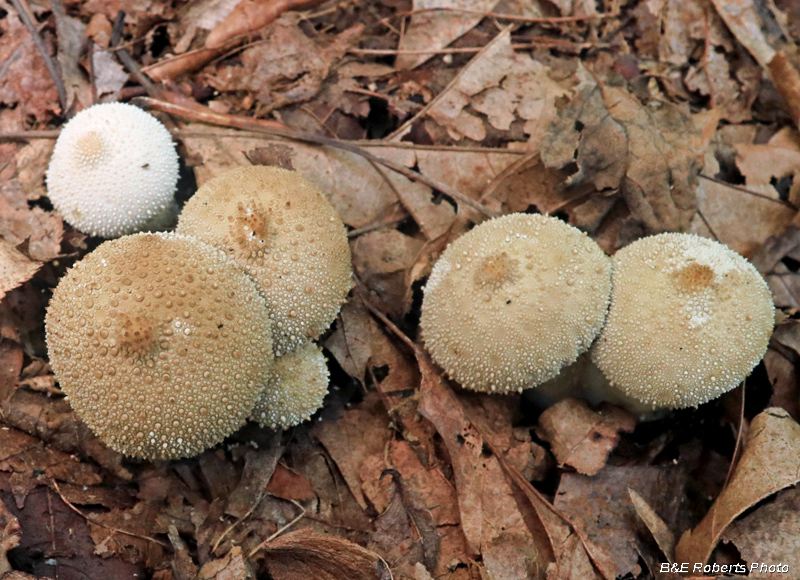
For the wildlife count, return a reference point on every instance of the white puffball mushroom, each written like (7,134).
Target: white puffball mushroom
(689,319)
(113,171)
(295,389)
(513,301)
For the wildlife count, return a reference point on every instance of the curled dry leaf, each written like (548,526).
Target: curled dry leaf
(770,534)
(770,462)
(581,437)
(650,153)
(308,554)
(659,530)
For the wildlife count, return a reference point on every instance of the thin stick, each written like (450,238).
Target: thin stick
(750,192)
(26,16)
(127,60)
(279,531)
(206,115)
(515,18)
(405,127)
(538,42)
(71,506)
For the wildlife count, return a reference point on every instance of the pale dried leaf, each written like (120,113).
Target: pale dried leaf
(770,462)
(581,437)
(15,268)
(109,75)
(432,30)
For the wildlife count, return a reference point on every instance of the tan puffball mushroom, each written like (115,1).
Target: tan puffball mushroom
(513,301)
(295,390)
(161,343)
(284,233)
(689,319)
(113,172)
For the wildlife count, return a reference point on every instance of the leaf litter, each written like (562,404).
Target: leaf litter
(673,116)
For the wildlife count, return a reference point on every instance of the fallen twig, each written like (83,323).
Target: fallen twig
(26,16)
(202,114)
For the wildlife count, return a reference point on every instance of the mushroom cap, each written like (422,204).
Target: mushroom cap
(689,319)
(513,301)
(161,343)
(295,389)
(283,232)
(113,171)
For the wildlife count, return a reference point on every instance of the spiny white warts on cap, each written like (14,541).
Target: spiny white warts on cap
(161,343)
(689,319)
(513,301)
(283,232)
(113,171)
(295,390)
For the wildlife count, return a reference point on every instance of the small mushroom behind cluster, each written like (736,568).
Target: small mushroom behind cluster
(689,319)
(295,389)
(283,232)
(113,172)
(161,343)
(513,301)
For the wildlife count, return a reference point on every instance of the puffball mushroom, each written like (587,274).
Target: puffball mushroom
(295,390)
(513,301)
(283,232)
(113,171)
(689,319)
(161,343)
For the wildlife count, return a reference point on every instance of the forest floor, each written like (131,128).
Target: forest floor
(418,120)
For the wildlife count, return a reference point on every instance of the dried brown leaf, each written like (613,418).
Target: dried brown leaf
(232,566)
(15,268)
(490,518)
(9,536)
(651,154)
(289,484)
(581,437)
(249,16)
(600,506)
(25,82)
(285,67)
(784,283)
(770,462)
(504,86)
(355,438)
(770,534)
(432,30)
(307,554)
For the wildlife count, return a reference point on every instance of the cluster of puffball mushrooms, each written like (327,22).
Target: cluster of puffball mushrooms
(671,321)
(165,343)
